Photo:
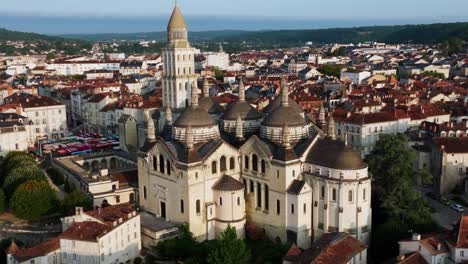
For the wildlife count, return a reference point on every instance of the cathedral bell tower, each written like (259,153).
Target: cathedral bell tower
(179,64)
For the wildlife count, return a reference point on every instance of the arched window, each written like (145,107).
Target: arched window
(168,165)
(322,192)
(213,167)
(197,206)
(155,163)
(222,164)
(220,201)
(254,162)
(181,206)
(305,208)
(259,195)
(232,163)
(263,166)
(334,194)
(364,194)
(161,163)
(252,186)
(267,198)
(278,208)
(144,192)
(292,208)
(350,196)
(238,200)
(246,162)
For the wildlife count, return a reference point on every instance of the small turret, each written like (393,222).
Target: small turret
(241,91)
(151,134)
(168,116)
(189,137)
(239,129)
(286,140)
(194,95)
(206,87)
(331,127)
(284,92)
(321,117)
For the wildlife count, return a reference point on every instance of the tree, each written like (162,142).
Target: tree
(453,45)
(230,249)
(2,201)
(397,205)
(433,74)
(219,74)
(76,198)
(68,187)
(33,199)
(19,175)
(331,69)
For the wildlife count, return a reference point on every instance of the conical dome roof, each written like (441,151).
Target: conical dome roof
(177,20)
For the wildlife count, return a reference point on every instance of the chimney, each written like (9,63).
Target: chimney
(416,237)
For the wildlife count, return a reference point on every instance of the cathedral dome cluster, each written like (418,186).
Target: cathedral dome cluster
(216,166)
(285,115)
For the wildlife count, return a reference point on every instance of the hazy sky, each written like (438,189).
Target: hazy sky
(436,9)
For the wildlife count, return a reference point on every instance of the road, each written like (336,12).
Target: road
(444,216)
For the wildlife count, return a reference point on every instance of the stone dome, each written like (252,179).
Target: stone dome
(277,103)
(242,109)
(284,114)
(196,117)
(209,105)
(335,154)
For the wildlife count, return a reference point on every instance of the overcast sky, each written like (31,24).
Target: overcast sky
(436,9)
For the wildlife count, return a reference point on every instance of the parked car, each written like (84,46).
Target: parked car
(457,208)
(445,201)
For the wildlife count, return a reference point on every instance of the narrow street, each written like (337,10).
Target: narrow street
(444,216)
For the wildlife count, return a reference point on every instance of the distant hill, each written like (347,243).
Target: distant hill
(428,33)
(11,35)
(161,35)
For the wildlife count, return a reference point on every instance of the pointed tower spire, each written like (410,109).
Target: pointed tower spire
(189,136)
(206,87)
(168,116)
(239,128)
(331,127)
(177,28)
(241,90)
(151,134)
(286,140)
(284,92)
(194,95)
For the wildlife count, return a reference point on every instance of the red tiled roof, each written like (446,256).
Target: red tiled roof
(25,254)
(412,258)
(86,231)
(453,145)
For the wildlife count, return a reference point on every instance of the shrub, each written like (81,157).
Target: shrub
(33,199)
(56,176)
(74,199)
(19,175)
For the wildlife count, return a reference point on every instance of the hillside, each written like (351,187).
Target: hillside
(11,35)
(161,35)
(429,33)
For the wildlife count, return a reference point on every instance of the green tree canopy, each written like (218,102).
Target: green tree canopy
(397,204)
(331,69)
(19,175)
(219,74)
(33,199)
(74,199)
(230,249)
(2,201)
